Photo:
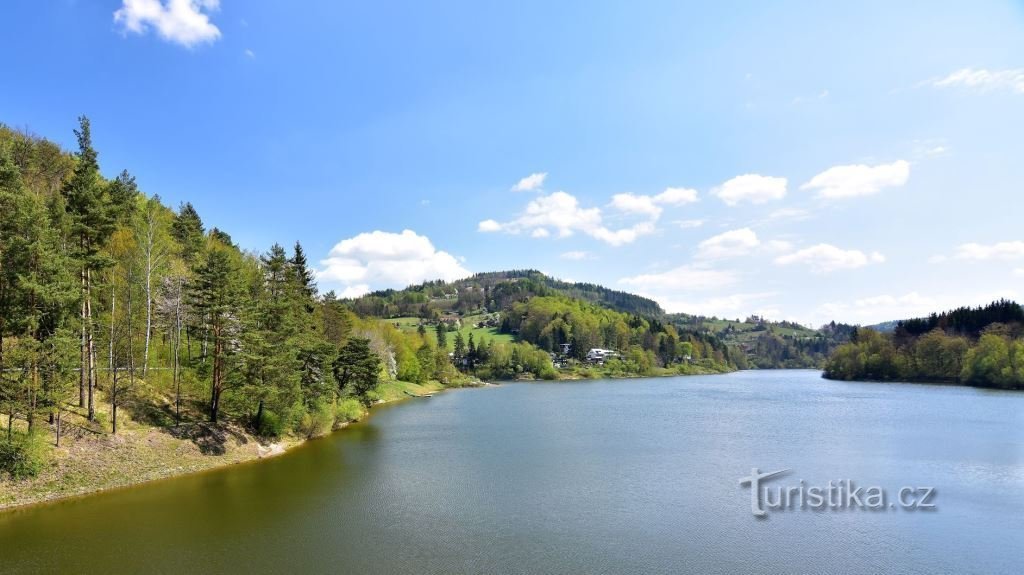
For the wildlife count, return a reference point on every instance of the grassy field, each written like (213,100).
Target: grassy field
(490,333)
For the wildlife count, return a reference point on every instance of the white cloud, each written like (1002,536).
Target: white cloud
(562,213)
(983,80)
(676,197)
(752,188)
(858,180)
(575,255)
(185,22)
(1019,272)
(729,244)
(633,204)
(540,233)
(683,278)
(651,205)
(826,258)
(741,242)
(689,224)
(488,226)
(531,183)
(997,251)
(250,54)
(383,259)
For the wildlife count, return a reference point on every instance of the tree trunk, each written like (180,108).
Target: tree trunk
(149,301)
(113,304)
(177,345)
(58,427)
(90,347)
(83,375)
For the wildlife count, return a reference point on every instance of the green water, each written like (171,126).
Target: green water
(636,476)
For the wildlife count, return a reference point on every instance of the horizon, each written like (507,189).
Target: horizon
(799,162)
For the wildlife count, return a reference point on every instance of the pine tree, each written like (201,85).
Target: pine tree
(217,297)
(357,369)
(188,230)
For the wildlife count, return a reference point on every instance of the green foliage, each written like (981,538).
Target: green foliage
(995,360)
(317,421)
(272,425)
(23,456)
(348,410)
(357,369)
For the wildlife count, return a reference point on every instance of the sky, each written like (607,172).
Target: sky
(851,161)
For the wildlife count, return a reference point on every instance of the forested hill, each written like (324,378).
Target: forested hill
(982,346)
(770,344)
(495,291)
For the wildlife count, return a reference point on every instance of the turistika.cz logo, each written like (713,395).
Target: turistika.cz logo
(837,495)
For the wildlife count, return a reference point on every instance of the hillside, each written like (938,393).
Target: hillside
(982,346)
(771,344)
(494,290)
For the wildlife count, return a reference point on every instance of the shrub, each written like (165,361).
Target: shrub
(272,424)
(348,410)
(23,456)
(318,421)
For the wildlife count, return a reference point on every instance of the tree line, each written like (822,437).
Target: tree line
(960,348)
(111,300)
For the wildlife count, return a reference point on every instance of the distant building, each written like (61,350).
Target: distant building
(598,355)
(566,348)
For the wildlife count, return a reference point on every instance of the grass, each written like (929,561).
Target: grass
(410,324)
(397,390)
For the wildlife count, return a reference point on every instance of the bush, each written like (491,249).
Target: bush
(272,424)
(317,421)
(23,456)
(348,410)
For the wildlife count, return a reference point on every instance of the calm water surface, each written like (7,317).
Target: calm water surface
(636,476)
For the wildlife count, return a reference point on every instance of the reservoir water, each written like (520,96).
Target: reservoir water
(625,476)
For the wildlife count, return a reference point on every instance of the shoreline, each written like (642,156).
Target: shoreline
(247,450)
(242,454)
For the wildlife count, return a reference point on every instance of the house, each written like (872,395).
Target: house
(598,355)
(566,348)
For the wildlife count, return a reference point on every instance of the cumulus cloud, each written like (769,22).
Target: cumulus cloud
(633,204)
(885,307)
(488,226)
(651,205)
(184,22)
(997,251)
(676,197)
(729,244)
(858,179)
(741,242)
(730,305)
(983,80)
(384,259)
(531,183)
(562,213)
(752,188)
(824,258)
(682,278)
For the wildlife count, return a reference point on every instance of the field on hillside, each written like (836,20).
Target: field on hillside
(489,333)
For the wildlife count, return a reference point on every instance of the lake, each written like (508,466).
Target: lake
(625,476)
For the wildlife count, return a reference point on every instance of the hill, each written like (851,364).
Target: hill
(494,290)
(982,346)
(771,344)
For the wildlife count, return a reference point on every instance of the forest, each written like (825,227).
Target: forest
(112,303)
(981,346)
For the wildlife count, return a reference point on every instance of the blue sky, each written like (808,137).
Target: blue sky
(802,161)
